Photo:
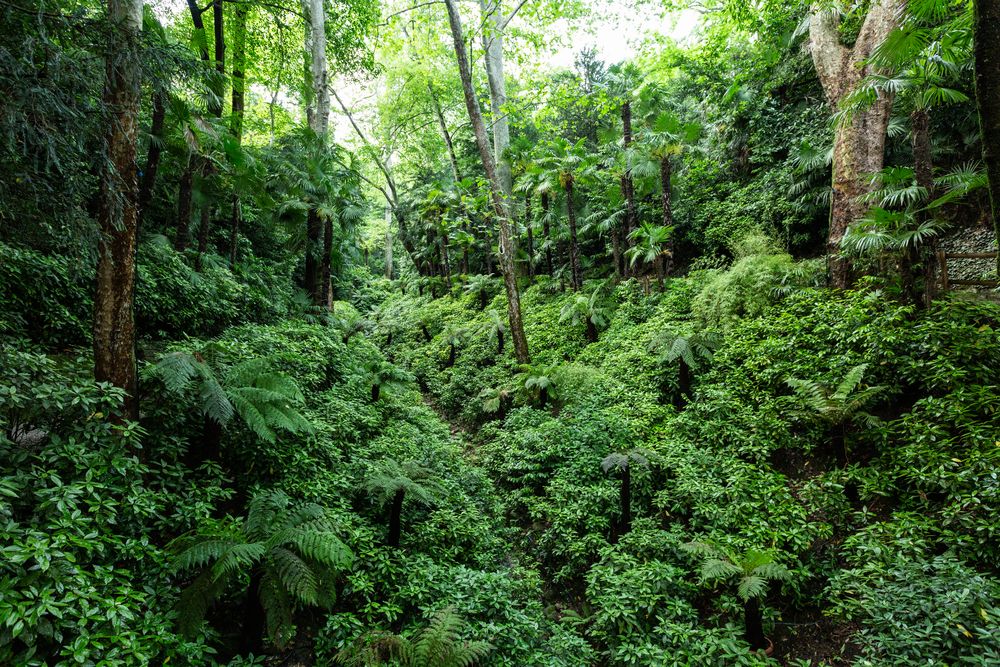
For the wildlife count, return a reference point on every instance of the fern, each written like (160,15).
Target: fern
(291,546)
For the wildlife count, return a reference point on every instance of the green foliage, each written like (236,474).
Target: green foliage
(293,547)
(752,569)
(439,644)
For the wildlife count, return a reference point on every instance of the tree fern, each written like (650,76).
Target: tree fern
(290,549)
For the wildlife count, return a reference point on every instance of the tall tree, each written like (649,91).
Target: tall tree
(987,44)
(318,119)
(497,197)
(859,144)
(114,319)
(239,33)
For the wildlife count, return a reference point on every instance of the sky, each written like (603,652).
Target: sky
(618,39)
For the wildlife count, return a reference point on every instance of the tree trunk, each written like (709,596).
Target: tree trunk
(666,187)
(446,262)
(495,20)
(236,121)
(326,287)
(314,230)
(395,518)
(628,186)
(219,86)
(754,625)
(376,392)
(452,354)
(923,169)
(859,143)
(155,150)
(211,441)
(683,384)
(203,233)
(184,195)
(625,498)
(500,343)
(987,43)
(546,232)
(497,190)
(445,134)
(531,237)
(591,331)
(543,397)
(574,251)
(318,103)
(388,242)
(251,637)
(118,216)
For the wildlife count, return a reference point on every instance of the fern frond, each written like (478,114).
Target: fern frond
(295,575)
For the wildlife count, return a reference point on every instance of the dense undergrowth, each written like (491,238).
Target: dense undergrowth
(512,518)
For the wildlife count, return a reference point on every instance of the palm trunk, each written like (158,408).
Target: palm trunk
(203,233)
(234,231)
(326,287)
(684,384)
(666,174)
(591,331)
(314,230)
(547,233)
(500,343)
(987,37)
(754,625)
(531,237)
(251,638)
(628,186)
(184,197)
(376,392)
(452,353)
(574,250)
(396,518)
(497,189)
(155,150)
(118,216)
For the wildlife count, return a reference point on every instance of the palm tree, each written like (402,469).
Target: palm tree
(622,81)
(688,351)
(651,245)
(587,309)
(455,338)
(566,163)
(382,375)
(753,570)
(393,482)
(263,399)
(837,406)
(538,383)
(622,463)
(495,401)
(440,644)
(536,179)
(497,329)
(663,138)
(483,287)
(288,551)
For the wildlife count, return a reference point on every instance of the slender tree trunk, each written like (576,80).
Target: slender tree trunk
(251,638)
(987,54)
(218,24)
(445,134)
(327,273)
(683,384)
(203,232)
(625,498)
(591,331)
(754,625)
(497,189)
(314,232)
(155,150)
(494,19)
(628,185)
(574,250)
(118,216)
(395,518)
(236,121)
(184,197)
(452,354)
(388,242)
(859,142)
(500,343)
(528,226)
(318,119)
(546,232)
(666,187)
(543,398)
(376,392)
